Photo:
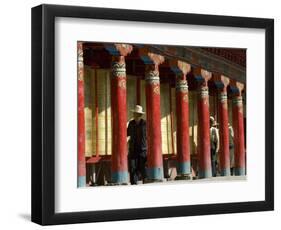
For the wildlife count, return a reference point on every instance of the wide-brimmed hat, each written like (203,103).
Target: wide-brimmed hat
(213,121)
(138,109)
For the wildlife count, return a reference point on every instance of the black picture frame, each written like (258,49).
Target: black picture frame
(43,114)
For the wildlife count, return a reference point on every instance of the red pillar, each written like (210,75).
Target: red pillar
(238,128)
(119,161)
(182,112)
(204,154)
(223,128)
(81,119)
(153,115)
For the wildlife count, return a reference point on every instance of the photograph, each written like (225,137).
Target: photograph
(140,114)
(151,113)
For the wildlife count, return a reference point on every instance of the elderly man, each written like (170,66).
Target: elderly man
(215,143)
(137,146)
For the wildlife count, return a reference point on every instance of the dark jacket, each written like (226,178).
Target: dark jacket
(135,149)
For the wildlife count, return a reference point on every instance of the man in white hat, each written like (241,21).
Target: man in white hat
(137,146)
(231,148)
(215,143)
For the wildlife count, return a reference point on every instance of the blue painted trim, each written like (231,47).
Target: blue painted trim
(81,181)
(233,89)
(183,168)
(199,78)
(146,60)
(155,173)
(240,171)
(112,50)
(120,177)
(219,84)
(205,173)
(176,70)
(225,172)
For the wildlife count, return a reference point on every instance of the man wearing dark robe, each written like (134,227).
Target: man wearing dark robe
(137,146)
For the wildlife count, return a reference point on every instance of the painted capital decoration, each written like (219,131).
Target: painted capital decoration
(223,99)
(181,86)
(240,87)
(152,74)
(119,49)
(149,57)
(152,78)
(238,99)
(224,82)
(118,68)
(204,92)
(179,67)
(206,74)
(223,96)
(238,102)
(202,76)
(80,61)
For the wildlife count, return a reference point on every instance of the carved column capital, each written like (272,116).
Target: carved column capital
(118,49)
(236,88)
(149,57)
(179,67)
(240,87)
(202,76)
(80,61)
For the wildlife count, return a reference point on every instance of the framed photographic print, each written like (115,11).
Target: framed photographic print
(143,114)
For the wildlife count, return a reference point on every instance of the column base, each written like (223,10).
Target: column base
(113,184)
(183,177)
(119,178)
(155,174)
(225,172)
(204,173)
(81,181)
(183,168)
(239,171)
(147,181)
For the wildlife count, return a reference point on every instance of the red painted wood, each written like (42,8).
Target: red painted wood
(204,131)
(119,117)
(81,117)
(182,108)
(223,131)
(238,128)
(153,110)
